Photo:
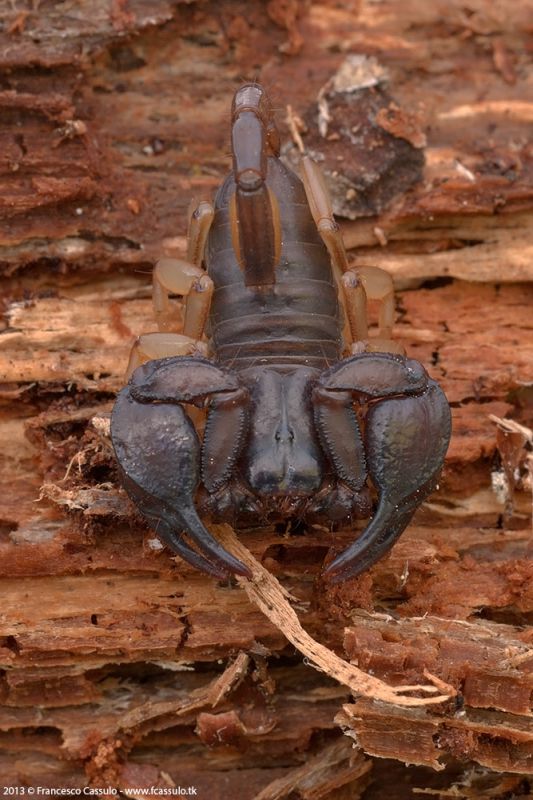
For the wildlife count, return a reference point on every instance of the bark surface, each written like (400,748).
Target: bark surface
(122,666)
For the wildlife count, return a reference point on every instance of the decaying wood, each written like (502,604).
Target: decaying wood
(323,774)
(124,667)
(487,737)
(265,591)
(491,669)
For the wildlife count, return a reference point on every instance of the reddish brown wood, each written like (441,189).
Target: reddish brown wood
(112,653)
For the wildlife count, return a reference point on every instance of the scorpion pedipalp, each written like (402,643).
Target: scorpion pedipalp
(159,452)
(407,432)
(364,376)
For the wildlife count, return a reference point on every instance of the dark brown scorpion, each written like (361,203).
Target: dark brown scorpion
(302,407)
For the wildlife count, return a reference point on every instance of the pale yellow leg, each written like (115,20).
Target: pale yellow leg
(179,333)
(150,346)
(174,276)
(379,286)
(200,219)
(186,278)
(320,205)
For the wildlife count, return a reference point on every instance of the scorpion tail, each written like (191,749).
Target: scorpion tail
(256,231)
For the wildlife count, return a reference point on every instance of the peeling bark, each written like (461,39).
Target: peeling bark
(123,666)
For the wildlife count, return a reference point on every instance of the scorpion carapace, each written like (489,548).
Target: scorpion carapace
(307,417)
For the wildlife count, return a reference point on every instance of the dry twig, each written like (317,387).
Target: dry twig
(269,596)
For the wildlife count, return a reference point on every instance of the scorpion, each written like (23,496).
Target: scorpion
(307,417)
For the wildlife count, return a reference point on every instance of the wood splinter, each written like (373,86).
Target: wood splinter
(265,591)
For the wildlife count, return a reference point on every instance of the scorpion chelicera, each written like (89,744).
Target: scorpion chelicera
(304,410)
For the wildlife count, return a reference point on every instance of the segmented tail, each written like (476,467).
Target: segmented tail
(254,215)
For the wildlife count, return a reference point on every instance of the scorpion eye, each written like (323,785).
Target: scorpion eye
(284,434)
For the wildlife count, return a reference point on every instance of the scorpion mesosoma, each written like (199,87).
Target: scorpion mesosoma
(304,410)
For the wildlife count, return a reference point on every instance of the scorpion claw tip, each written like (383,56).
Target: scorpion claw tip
(336,572)
(224,573)
(243,570)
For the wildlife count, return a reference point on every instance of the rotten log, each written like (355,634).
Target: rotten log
(123,666)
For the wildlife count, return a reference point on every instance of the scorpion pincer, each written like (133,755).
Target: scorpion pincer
(304,411)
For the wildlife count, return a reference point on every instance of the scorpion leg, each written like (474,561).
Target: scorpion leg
(351,297)
(322,213)
(355,304)
(168,342)
(379,286)
(200,219)
(174,276)
(406,437)
(254,214)
(356,284)
(151,346)
(159,452)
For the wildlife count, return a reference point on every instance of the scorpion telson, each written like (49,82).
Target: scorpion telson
(305,412)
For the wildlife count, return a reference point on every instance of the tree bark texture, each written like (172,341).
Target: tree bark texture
(122,666)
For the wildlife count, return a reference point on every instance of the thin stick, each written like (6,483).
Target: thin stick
(265,591)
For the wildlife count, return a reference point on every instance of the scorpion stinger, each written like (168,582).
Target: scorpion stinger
(254,214)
